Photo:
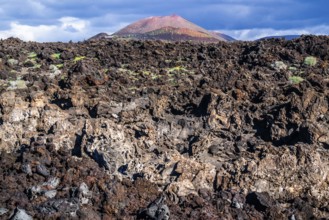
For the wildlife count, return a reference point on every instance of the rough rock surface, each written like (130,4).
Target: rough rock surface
(152,130)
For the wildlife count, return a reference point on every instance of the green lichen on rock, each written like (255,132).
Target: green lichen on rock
(179,70)
(296,79)
(17,84)
(292,68)
(279,65)
(29,63)
(176,69)
(37,66)
(310,61)
(32,55)
(56,55)
(12,62)
(76,59)
(59,66)
(54,71)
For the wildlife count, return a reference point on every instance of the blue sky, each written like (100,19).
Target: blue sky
(64,20)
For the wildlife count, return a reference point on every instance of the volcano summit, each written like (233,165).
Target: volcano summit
(172,28)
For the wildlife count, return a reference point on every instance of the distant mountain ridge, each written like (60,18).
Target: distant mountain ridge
(100,36)
(285,37)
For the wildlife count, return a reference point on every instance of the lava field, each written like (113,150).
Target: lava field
(127,129)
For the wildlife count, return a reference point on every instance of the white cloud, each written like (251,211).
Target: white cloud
(256,33)
(68,28)
(73,24)
(26,32)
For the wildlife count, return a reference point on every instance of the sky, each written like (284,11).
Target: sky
(77,20)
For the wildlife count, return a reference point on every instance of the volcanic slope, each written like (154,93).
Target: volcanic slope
(172,27)
(226,37)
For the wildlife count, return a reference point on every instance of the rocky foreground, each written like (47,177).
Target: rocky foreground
(150,130)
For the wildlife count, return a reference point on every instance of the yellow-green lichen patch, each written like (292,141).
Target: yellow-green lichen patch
(32,55)
(78,58)
(310,61)
(59,66)
(296,79)
(17,84)
(56,55)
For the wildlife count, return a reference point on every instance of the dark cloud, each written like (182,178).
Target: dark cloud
(210,14)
